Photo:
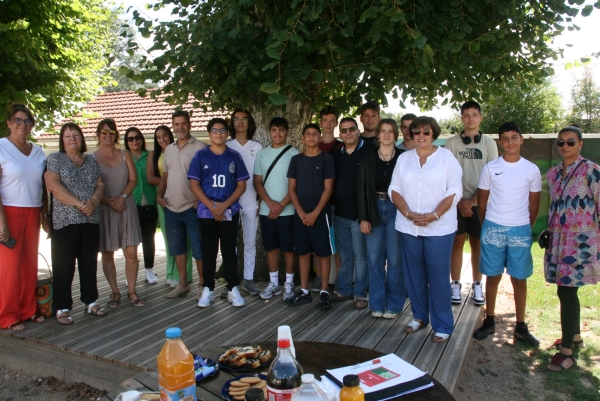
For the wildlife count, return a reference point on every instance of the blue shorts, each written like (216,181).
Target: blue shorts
(180,227)
(278,233)
(317,238)
(504,246)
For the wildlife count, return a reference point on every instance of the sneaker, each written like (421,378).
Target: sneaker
(525,336)
(169,281)
(316,285)
(477,294)
(235,297)
(300,298)
(270,290)
(250,287)
(325,304)
(206,298)
(485,330)
(376,313)
(456,287)
(390,315)
(178,291)
(151,277)
(288,291)
(224,293)
(174,283)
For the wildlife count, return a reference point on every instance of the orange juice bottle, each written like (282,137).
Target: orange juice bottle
(176,377)
(351,390)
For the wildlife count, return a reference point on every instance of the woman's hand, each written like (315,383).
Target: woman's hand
(88,207)
(4,232)
(46,225)
(422,219)
(118,204)
(365,227)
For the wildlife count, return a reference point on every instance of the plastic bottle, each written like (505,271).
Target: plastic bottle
(284,375)
(309,391)
(176,377)
(351,390)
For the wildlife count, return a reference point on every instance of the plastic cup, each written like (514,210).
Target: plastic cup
(131,395)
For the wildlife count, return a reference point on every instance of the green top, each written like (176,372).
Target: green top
(143,187)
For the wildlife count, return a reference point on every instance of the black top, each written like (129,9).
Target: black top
(383,172)
(345,191)
(369,139)
(310,174)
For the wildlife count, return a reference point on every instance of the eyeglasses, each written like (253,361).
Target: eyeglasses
(243,119)
(218,131)
(135,138)
(346,130)
(424,131)
(561,142)
(110,132)
(20,121)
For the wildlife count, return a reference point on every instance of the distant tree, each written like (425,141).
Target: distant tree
(451,125)
(585,100)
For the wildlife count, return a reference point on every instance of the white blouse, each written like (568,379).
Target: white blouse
(21,177)
(423,188)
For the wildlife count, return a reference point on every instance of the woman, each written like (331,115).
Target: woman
(426,186)
(163,137)
(377,214)
(571,260)
(144,195)
(119,224)
(23,202)
(73,179)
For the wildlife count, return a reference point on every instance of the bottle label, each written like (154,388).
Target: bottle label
(275,394)
(184,394)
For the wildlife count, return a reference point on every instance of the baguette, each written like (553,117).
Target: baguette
(246,352)
(252,364)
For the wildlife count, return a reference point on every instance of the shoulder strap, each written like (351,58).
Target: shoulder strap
(275,162)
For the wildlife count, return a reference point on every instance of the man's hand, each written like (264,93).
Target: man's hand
(218,209)
(275,209)
(309,219)
(465,207)
(365,227)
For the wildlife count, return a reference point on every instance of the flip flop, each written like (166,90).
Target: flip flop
(37,318)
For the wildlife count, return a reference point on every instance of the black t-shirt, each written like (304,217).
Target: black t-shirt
(384,170)
(310,173)
(370,139)
(346,171)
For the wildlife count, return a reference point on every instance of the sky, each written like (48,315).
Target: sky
(582,43)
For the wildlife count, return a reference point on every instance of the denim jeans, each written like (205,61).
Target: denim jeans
(426,264)
(350,243)
(387,291)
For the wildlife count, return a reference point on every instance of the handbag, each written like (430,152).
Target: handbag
(44,293)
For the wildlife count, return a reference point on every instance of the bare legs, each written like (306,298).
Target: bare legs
(457,257)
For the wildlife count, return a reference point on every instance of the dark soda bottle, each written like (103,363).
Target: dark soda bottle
(285,374)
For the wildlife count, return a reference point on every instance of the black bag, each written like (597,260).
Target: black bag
(544,239)
(147,212)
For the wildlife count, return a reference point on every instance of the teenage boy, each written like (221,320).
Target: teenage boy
(513,186)
(369,117)
(179,203)
(311,176)
(242,128)
(218,179)
(353,276)
(276,212)
(408,142)
(472,150)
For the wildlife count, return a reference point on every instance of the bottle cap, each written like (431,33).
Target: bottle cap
(254,394)
(173,332)
(308,378)
(351,381)
(283,343)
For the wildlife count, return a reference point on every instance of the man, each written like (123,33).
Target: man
(369,117)
(180,203)
(473,150)
(350,241)
(408,142)
(310,178)
(513,186)
(276,209)
(241,129)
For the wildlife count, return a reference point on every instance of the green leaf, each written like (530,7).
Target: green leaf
(318,77)
(397,17)
(297,39)
(273,54)
(270,65)
(368,13)
(278,99)
(587,10)
(474,46)
(375,68)
(420,42)
(269,87)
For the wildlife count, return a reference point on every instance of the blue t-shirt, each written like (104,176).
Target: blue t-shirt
(310,174)
(218,176)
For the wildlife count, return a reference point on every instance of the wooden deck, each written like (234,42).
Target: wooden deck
(106,351)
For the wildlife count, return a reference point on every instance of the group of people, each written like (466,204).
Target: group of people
(395,215)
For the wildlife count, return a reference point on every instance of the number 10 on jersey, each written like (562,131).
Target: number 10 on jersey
(218,181)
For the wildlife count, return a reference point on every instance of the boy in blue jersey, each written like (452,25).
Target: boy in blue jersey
(311,176)
(218,178)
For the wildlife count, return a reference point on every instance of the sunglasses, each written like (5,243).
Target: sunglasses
(108,132)
(20,121)
(349,129)
(561,142)
(218,131)
(135,138)
(425,131)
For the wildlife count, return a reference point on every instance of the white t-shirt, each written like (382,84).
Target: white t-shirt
(277,184)
(509,185)
(21,177)
(248,152)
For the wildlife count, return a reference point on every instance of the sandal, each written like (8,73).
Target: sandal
(37,318)
(576,344)
(95,309)
(413,326)
(16,326)
(114,301)
(62,315)
(556,363)
(440,337)
(138,301)
(361,303)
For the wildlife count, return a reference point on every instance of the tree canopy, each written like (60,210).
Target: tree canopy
(297,56)
(585,99)
(53,54)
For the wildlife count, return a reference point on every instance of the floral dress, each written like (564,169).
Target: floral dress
(573,258)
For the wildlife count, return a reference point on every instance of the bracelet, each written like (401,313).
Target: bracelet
(407,212)
(436,216)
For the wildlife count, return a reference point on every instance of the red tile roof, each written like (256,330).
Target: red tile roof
(129,109)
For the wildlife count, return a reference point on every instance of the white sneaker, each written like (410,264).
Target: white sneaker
(456,287)
(169,281)
(235,297)
(174,283)
(477,294)
(206,298)
(151,277)
(270,290)
(288,291)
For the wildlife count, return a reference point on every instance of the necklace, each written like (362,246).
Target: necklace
(387,162)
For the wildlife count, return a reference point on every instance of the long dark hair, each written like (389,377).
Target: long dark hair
(158,149)
(251,124)
(134,129)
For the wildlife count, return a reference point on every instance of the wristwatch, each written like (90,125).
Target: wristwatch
(124,195)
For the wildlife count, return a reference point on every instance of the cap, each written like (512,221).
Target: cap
(173,332)
(283,343)
(351,381)
(254,394)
